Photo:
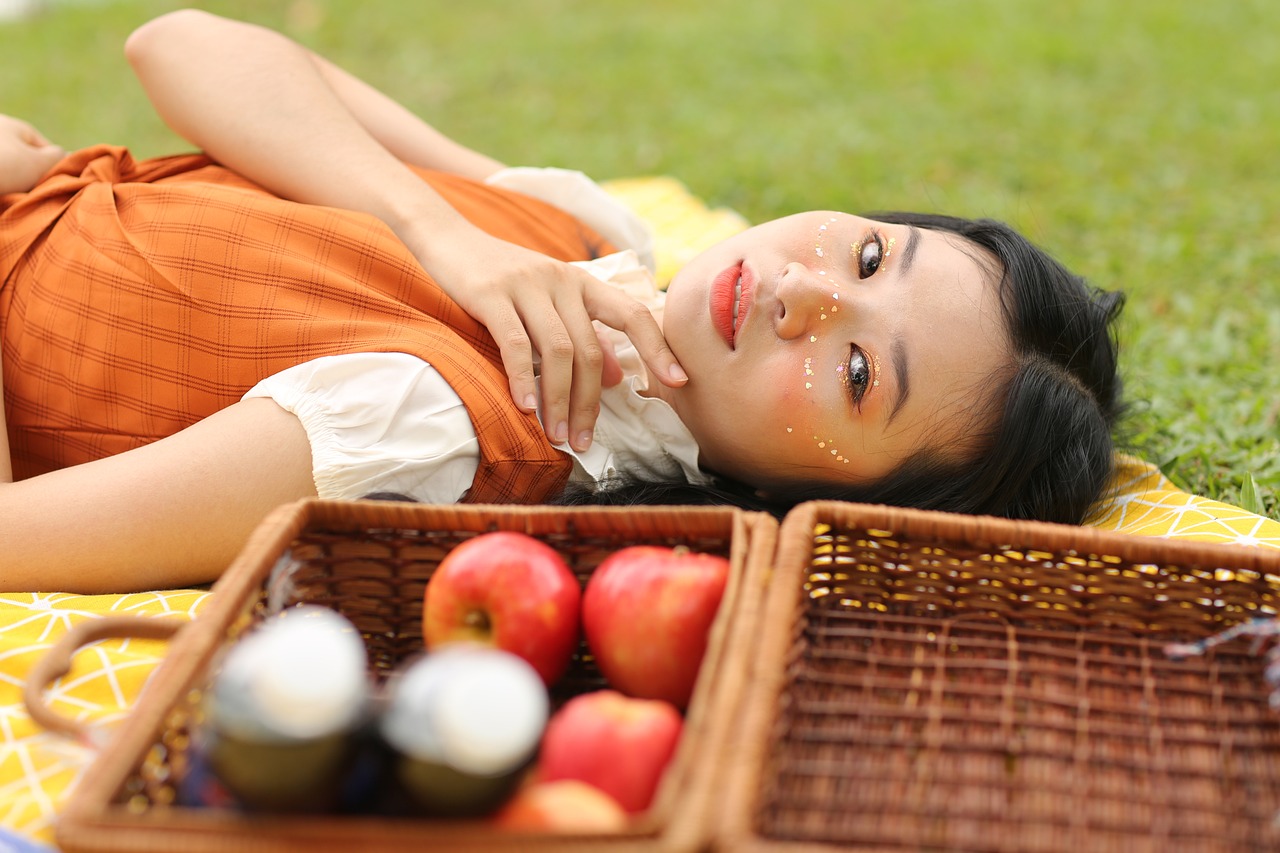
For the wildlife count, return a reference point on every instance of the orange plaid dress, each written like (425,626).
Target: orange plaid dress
(140,297)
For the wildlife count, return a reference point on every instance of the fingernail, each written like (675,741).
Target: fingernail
(560,433)
(677,373)
(584,440)
(530,402)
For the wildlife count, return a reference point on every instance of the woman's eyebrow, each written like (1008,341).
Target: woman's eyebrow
(909,250)
(898,350)
(898,355)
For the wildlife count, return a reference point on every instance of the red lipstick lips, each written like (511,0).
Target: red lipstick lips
(731,289)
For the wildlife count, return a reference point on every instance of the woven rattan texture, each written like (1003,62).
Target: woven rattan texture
(959,698)
(372,563)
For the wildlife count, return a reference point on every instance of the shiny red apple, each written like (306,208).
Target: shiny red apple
(509,591)
(612,742)
(566,805)
(647,614)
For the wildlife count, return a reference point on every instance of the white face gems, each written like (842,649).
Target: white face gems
(821,253)
(817,246)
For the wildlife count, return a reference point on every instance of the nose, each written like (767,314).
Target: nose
(804,299)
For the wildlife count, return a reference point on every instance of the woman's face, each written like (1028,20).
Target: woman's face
(824,346)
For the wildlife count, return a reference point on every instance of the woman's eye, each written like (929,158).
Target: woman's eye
(870,256)
(857,375)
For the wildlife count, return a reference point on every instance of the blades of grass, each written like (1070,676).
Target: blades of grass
(1249,497)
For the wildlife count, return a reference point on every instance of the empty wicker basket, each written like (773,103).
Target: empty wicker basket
(930,681)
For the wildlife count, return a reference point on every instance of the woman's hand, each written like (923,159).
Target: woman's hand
(532,303)
(25,155)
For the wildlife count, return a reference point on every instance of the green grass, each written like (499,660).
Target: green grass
(1136,140)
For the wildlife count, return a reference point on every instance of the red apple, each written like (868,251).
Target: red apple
(647,614)
(509,591)
(612,742)
(566,805)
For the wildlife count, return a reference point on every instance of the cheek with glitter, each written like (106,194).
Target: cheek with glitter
(817,245)
(828,445)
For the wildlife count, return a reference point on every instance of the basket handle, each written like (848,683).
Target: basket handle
(57,663)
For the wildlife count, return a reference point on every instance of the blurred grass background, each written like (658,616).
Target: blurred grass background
(1138,141)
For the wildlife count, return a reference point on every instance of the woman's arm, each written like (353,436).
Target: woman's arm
(402,133)
(267,108)
(168,514)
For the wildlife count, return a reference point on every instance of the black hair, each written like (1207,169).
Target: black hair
(1047,454)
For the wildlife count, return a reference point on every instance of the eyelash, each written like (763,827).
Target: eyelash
(857,393)
(871,237)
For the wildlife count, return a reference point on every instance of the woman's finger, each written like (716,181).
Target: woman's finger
(555,354)
(508,331)
(619,311)
(588,361)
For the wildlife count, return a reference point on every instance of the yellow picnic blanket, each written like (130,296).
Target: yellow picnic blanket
(38,768)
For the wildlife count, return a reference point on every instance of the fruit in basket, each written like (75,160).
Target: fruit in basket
(464,723)
(566,805)
(509,591)
(613,742)
(647,614)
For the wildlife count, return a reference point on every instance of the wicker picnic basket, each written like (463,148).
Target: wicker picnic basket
(925,681)
(370,561)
